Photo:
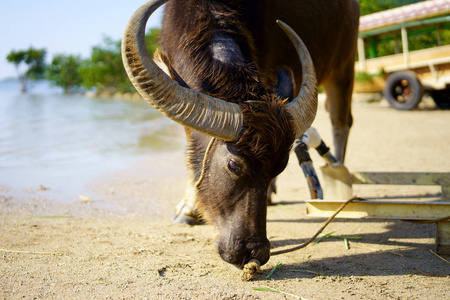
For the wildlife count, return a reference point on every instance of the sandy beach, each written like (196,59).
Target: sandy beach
(117,241)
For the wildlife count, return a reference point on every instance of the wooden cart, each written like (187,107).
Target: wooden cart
(407,74)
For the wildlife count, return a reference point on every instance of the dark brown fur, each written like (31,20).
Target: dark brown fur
(268,134)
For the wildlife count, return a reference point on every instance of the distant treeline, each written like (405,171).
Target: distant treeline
(372,6)
(103,71)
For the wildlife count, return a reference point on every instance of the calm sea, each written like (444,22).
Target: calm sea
(62,141)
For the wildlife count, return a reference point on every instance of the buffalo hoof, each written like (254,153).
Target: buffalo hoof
(185,219)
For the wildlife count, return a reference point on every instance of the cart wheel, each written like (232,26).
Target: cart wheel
(403,90)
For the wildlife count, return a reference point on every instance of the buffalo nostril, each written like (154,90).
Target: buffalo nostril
(253,254)
(239,252)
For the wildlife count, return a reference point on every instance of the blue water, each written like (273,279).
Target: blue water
(63,141)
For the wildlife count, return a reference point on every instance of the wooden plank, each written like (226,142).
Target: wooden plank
(424,56)
(443,238)
(403,210)
(380,209)
(404,178)
(417,65)
(407,178)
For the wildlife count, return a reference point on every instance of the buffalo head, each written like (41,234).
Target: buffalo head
(238,147)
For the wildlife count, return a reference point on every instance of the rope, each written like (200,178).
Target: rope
(202,175)
(320,230)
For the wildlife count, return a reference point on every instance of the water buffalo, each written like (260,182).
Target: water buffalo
(244,90)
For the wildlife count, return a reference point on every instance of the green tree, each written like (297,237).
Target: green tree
(30,65)
(104,70)
(64,72)
(152,39)
(372,6)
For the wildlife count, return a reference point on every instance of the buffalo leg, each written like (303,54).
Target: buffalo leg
(339,97)
(271,190)
(186,211)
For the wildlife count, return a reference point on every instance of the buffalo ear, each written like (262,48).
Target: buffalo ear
(163,62)
(285,85)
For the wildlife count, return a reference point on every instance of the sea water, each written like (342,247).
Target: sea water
(59,142)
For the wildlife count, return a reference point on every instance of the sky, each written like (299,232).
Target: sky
(62,26)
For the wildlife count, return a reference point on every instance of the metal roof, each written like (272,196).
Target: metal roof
(403,14)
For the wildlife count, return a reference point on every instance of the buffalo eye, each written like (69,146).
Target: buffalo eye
(233,166)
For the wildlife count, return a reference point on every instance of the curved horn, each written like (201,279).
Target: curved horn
(195,110)
(304,107)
